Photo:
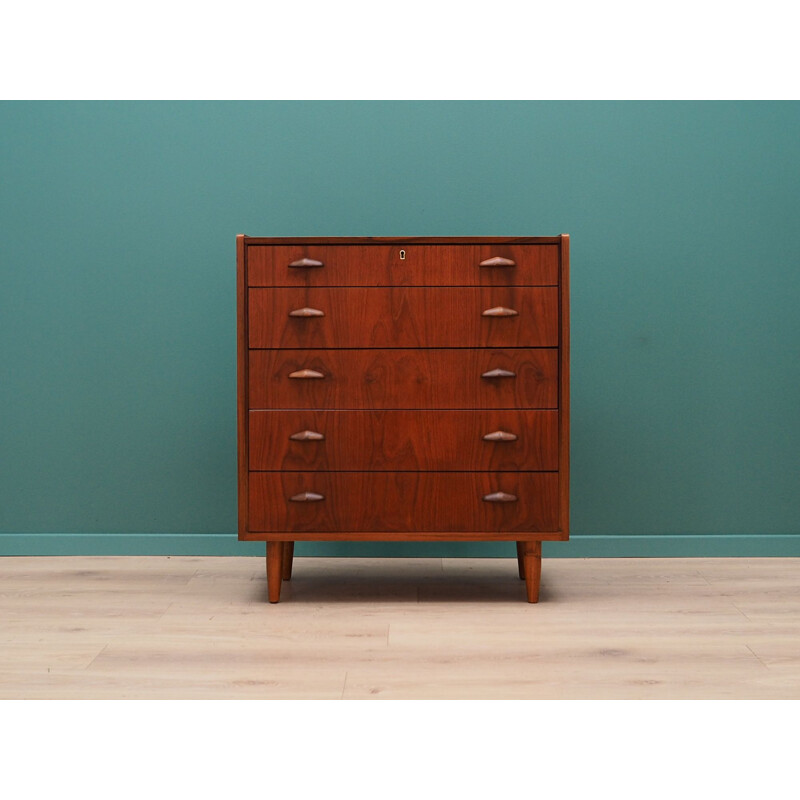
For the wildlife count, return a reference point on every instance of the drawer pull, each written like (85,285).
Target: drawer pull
(306,262)
(500,497)
(498,373)
(499,311)
(310,436)
(304,374)
(307,497)
(306,312)
(498,261)
(500,436)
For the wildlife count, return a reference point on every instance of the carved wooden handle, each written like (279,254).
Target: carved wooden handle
(498,261)
(500,436)
(308,312)
(307,497)
(499,311)
(310,436)
(499,373)
(306,262)
(500,497)
(306,373)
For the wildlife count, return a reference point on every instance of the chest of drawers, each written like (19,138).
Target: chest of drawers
(403,389)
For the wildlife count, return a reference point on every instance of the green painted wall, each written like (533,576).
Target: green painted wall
(117,307)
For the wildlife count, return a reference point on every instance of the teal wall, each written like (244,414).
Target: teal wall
(117,307)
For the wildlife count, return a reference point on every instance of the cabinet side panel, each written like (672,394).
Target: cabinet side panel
(241,382)
(563,399)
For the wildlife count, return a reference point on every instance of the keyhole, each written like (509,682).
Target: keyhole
(402,255)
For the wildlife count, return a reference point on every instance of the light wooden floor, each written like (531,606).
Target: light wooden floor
(185,627)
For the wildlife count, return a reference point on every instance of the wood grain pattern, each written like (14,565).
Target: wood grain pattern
(532,569)
(400,366)
(288,560)
(400,241)
(274,570)
(563,385)
(403,501)
(189,627)
(403,317)
(405,536)
(424,265)
(403,440)
(434,378)
(241,381)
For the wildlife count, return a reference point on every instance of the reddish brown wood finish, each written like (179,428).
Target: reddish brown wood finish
(288,557)
(403,317)
(423,265)
(401,241)
(403,501)
(532,568)
(563,387)
(397,397)
(241,378)
(403,440)
(404,536)
(436,378)
(274,570)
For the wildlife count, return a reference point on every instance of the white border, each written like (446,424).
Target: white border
(411,50)
(504,749)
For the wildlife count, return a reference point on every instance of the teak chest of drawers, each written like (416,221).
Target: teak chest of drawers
(403,389)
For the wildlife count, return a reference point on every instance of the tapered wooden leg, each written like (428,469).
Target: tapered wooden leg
(532,564)
(288,557)
(274,570)
(520,561)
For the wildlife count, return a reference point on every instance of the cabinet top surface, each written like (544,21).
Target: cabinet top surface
(402,239)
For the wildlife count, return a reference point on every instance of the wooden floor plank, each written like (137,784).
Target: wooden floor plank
(190,627)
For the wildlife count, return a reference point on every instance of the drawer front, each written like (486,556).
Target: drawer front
(383,265)
(355,502)
(404,317)
(296,439)
(453,378)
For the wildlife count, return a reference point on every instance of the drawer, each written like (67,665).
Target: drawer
(402,501)
(297,439)
(404,317)
(382,265)
(435,378)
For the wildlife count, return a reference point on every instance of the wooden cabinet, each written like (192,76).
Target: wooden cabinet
(403,389)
